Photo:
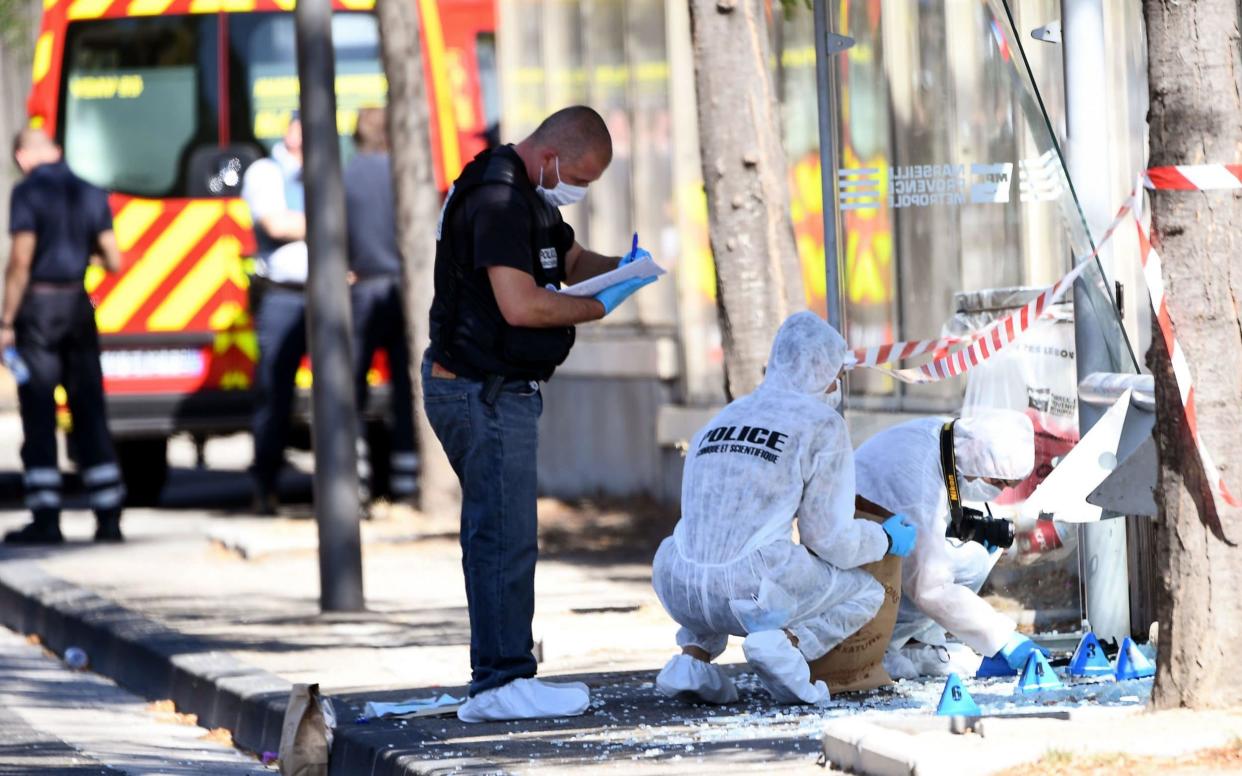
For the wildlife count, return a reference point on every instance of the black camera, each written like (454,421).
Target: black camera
(974,526)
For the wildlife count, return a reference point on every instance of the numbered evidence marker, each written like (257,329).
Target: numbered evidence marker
(1089,659)
(955,701)
(1037,675)
(1132,664)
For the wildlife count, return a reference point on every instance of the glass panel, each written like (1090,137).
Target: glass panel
(489,84)
(955,209)
(651,144)
(608,91)
(136,100)
(265,82)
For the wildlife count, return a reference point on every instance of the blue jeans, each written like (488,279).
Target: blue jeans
(492,447)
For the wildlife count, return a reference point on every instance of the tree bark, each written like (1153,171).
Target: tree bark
(1195,117)
(417,208)
(758,278)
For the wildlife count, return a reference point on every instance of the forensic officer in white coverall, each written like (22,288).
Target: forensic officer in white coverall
(903,470)
(732,566)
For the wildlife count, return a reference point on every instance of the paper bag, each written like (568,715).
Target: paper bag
(306,733)
(857,663)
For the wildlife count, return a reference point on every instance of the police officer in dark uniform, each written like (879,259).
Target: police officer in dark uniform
(58,223)
(498,327)
(375,296)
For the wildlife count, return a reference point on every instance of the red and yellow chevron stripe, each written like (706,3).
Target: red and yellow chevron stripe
(103,9)
(182,268)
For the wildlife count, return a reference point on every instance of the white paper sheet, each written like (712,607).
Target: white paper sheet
(378,710)
(643,268)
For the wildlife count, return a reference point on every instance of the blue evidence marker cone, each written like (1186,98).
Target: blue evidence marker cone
(1089,659)
(1037,675)
(1132,664)
(955,701)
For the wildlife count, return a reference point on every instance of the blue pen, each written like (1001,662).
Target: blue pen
(634,247)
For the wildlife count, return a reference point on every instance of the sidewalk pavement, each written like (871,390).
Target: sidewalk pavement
(220,614)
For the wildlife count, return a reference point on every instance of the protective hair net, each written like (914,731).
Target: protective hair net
(994,443)
(899,469)
(731,565)
(807,355)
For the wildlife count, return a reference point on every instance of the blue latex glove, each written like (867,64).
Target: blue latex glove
(634,255)
(901,535)
(1017,650)
(614,295)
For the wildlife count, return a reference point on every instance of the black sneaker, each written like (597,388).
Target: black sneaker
(36,533)
(109,531)
(265,502)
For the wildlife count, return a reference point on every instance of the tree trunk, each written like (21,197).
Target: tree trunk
(758,277)
(417,208)
(1195,77)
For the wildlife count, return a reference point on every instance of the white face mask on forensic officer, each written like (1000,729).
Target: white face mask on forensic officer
(833,399)
(979,490)
(562,193)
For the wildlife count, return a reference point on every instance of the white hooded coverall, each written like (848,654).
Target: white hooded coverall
(899,469)
(732,565)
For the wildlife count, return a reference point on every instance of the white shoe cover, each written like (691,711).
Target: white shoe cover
(695,681)
(526,699)
(782,669)
(937,660)
(898,665)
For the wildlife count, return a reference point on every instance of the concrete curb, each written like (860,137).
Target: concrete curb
(157,663)
(144,656)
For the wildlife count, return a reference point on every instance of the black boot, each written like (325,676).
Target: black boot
(265,501)
(44,529)
(108,526)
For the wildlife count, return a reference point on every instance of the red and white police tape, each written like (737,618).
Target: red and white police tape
(1181,368)
(991,339)
(984,343)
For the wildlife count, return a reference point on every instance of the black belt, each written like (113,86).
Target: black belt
(55,287)
(282,284)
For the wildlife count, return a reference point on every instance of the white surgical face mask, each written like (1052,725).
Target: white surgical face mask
(979,490)
(562,193)
(834,399)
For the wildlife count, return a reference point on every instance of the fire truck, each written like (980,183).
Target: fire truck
(164,103)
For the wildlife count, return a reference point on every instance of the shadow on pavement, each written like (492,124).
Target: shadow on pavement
(628,720)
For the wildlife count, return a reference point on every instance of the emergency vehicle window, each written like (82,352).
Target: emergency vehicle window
(489,85)
(264,82)
(133,101)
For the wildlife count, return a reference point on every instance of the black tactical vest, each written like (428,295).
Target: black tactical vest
(468,333)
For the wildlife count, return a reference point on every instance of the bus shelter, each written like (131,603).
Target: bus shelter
(951,199)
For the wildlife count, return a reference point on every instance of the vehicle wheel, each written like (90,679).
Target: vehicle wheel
(144,467)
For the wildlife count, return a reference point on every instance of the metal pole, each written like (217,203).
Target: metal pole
(334,416)
(1105,564)
(825,78)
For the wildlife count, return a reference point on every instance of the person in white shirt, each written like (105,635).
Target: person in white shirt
(272,188)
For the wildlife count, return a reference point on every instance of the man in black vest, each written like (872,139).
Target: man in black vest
(498,327)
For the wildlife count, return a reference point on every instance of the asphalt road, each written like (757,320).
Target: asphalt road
(54,720)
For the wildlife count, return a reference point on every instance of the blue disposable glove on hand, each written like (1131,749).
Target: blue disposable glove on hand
(1017,650)
(641,253)
(901,535)
(614,295)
